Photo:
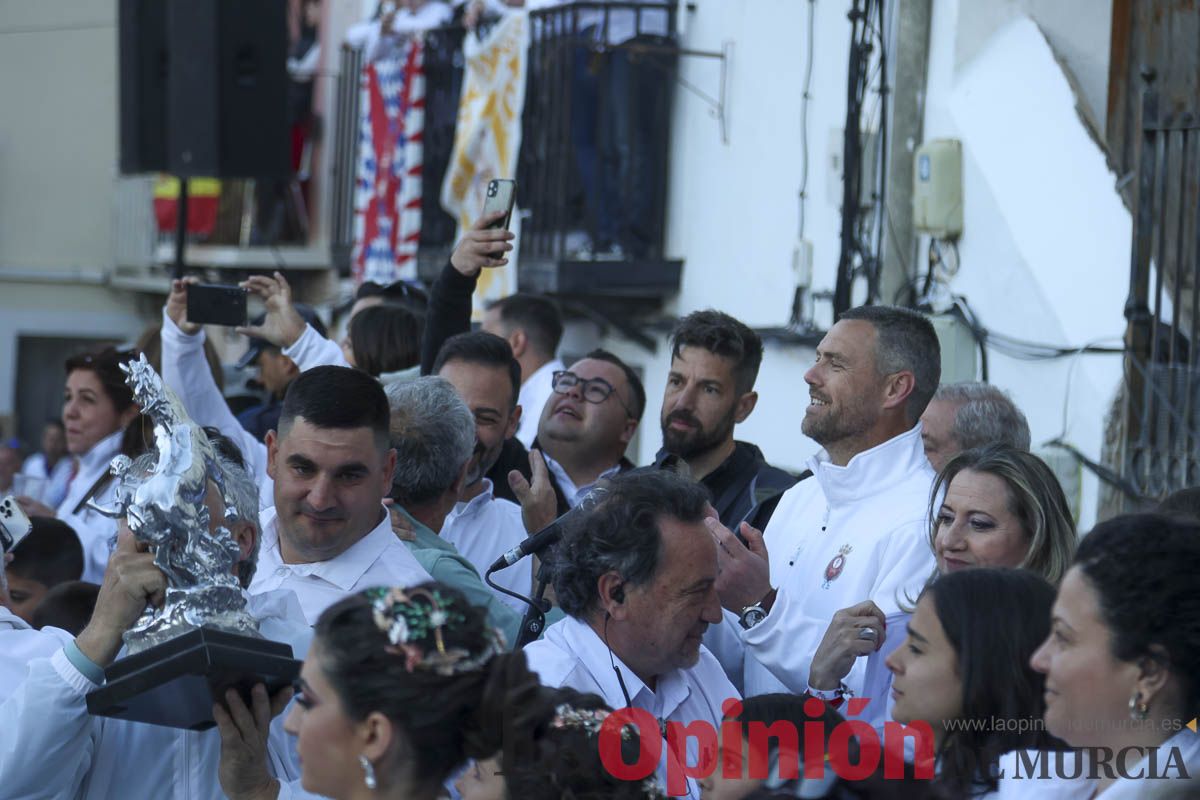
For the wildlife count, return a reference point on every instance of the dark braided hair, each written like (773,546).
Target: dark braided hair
(1144,567)
(564,760)
(445,718)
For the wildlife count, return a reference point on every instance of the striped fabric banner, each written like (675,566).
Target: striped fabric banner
(387,191)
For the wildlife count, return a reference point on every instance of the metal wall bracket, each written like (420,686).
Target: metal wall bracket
(718,107)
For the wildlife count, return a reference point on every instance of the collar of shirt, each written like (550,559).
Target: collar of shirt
(574,494)
(473,506)
(871,471)
(671,689)
(343,570)
(424,537)
(101,454)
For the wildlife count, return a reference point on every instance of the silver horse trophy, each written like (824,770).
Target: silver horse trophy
(162,499)
(202,640)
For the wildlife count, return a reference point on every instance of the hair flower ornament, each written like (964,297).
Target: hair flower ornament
(415,621)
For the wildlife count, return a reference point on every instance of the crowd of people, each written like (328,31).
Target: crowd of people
(917,589)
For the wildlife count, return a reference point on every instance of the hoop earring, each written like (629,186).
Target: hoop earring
(369,769)
(1137,709)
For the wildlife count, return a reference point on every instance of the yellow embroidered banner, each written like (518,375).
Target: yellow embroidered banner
(487,136)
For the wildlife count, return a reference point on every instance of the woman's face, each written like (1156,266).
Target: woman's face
(926,683)
(719,787)
(1087,689)
(482,780)
(326,739)
(88,412)
(976,526)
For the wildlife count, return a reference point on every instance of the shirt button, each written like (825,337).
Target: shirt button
(282,572)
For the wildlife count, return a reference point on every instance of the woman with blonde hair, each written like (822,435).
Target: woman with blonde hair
(994,506)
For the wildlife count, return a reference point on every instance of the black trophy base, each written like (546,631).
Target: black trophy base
(176,683)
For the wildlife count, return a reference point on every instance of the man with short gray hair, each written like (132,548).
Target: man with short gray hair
(859,527)
(433,433)
(963,416)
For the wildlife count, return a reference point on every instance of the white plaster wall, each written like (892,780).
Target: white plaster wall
(1046,244)
(1045,250)
(58,134)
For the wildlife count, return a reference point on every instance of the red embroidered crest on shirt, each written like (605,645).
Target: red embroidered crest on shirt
(836,565)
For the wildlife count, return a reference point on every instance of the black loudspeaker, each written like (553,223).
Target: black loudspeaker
(227,88)
(142,36)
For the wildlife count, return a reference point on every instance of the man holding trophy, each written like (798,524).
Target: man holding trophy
(173,606)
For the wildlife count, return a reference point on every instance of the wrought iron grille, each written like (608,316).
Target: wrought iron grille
(1162,405)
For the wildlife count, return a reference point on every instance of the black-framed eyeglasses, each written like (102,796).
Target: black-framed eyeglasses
(593,390)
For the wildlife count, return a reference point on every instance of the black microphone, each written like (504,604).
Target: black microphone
(553,532)
(535,543)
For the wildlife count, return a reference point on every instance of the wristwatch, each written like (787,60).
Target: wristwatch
(752,615)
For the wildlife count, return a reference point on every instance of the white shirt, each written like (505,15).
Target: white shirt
(485,528)
(185,369)
(50,747)
(377,559)
(571,654)
(314,350)
(535,390)
(20,644)
(58,479)
(846,535)
(1017,783)
(95,531)
(575,494)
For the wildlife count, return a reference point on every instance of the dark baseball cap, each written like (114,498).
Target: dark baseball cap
(307,312)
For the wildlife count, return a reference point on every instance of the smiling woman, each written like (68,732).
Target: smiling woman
(98,412)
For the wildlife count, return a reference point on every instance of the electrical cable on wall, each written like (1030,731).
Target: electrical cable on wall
(860,236)
(797,320)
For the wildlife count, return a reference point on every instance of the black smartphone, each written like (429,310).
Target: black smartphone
(216,304)
(501,196)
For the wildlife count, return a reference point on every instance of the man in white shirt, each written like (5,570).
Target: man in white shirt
(52,462)
(329,534)
(588,422)
(532,326)
(50,746)
(858,530)
(481,368)
(636,576)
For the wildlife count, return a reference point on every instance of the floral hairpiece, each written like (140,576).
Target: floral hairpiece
(590,721)
(406,624)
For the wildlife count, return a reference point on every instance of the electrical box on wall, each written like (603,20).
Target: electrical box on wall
(959,350)
(937,189)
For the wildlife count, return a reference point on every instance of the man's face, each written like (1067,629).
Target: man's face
(329,487)
(845,390)
(487,391)
(25,594)
(937,432)
(275,371)
(54,442)
(570,420)
(665,619)
(700,403)
(10,464)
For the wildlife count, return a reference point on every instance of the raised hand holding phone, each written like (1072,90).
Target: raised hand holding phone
(488,240)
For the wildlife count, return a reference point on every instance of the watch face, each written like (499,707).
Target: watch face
(752,616)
